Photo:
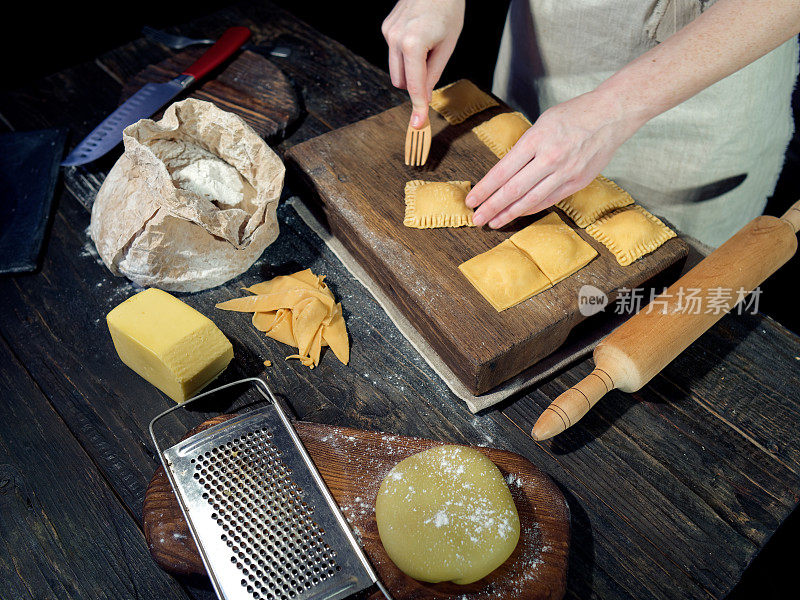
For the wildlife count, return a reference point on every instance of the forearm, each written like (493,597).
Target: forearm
(725,38)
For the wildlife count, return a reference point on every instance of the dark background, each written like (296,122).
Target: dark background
(77,32)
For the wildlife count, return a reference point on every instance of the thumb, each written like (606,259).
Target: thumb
(419,114)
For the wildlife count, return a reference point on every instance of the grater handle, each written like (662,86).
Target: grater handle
(383,589)
(260,385)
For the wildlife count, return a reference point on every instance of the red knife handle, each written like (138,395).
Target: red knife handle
(233,39)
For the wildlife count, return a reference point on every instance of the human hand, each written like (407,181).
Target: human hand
(564,150)
(421,35)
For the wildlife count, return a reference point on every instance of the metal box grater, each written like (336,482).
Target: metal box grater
(265,523)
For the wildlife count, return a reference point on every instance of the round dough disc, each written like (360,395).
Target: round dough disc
(446,514)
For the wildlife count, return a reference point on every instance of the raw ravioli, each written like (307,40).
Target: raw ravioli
(630,233)
(460,100)
(504,275)
(501,132)
(555,247)
(437,204)
(596,200)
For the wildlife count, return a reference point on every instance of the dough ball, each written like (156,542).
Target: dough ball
(446,514)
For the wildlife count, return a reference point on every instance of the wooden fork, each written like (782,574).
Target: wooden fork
(418,144)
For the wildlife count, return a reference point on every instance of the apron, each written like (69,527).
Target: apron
(707,165)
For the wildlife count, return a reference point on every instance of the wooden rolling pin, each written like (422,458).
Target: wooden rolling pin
(647,342)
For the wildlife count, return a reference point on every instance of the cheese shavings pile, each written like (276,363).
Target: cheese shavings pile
(298,310)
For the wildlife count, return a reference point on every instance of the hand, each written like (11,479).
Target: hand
(562,152)
(421,35)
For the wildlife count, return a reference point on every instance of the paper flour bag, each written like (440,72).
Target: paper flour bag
(191,203)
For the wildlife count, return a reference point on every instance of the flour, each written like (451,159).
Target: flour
(441,519)
(198,171)
(213,179)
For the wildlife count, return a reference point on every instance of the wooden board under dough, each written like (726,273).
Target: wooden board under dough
(357,174)
(353,463)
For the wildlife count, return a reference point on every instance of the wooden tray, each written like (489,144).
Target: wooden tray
(357,175)
(249,85)
(353,463)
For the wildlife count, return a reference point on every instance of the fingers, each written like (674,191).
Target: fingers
(562,191)
(499,175)
(561,153)
(536,199)
(396,70)
(409,70)
(523,184)
(415,56)
(437,60)
(421,35)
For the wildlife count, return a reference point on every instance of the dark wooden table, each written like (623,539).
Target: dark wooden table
(673,490)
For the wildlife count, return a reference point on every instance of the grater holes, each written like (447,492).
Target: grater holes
(260,507)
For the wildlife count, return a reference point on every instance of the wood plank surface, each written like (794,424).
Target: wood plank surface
(691,452)
(353,463)
(55,506)
(358,174)
(387,387)
(249,85)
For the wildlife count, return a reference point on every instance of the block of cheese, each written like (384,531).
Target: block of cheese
(168,343)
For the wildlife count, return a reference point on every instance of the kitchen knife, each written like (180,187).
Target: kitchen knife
(152,97)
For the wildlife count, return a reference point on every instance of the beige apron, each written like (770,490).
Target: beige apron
(709,164)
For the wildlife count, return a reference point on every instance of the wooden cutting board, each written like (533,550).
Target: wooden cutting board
(353,463)
(357,175)
(248,85)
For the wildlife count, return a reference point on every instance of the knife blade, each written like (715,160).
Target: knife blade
(151,97)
